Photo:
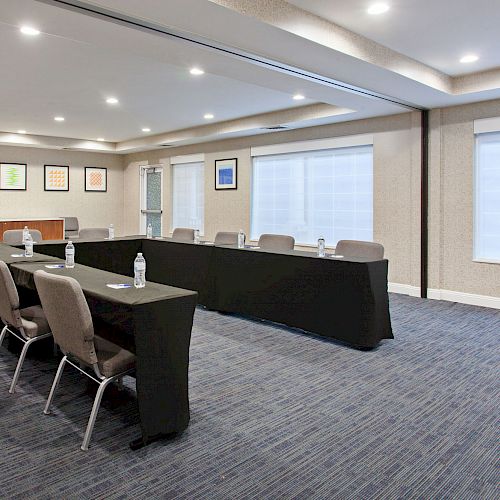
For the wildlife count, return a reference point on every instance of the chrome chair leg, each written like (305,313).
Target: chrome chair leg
(19,366)
(2,334)
(54,385)
(93,414)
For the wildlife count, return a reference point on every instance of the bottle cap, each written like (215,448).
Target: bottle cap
(70,242)
(139,254)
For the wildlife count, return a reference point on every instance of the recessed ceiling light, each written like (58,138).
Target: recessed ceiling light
(28,30)
(112,100)
(377,8)
(196,71)
(100,139)
(469,58)
(146,129)
(59,118)
(208,116)
(21,131)
(298,97)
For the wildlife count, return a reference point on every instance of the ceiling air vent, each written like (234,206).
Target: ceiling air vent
(275,127)
(167,145)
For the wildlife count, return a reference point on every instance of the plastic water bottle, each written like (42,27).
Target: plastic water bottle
(28,246)
(197,236)
(321,246)
(241,239)
(149,231)
(111,232)
(140,271)
(26,231)
(70,255)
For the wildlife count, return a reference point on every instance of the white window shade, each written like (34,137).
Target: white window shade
(188,195)
(310,194)
(487,198)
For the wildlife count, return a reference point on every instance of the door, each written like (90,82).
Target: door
(152,199)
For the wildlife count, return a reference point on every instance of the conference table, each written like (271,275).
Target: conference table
(155,322)
(337,298)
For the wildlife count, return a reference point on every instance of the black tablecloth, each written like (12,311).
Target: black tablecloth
(159,319)
(345,299)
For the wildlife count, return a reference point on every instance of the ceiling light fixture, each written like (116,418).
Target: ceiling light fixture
(112,100)
(100,139)
(469,58)
(146,129)
(298,97)
(59,118)
(28,30)
(377,8)
(208,116)
(196,71)
(21,131)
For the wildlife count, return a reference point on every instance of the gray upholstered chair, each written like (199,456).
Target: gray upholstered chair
(71,228)
(15,236)
(69,318)
(94,233)
(28,325)
(225,238)
(276,242)
(183,234)
(361,249)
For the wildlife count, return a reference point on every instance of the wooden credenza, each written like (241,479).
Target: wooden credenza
(51,228)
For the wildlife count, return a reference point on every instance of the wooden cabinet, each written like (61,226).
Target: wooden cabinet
(51,229)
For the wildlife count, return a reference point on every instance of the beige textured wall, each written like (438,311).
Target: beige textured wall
(396,183)
(451,202)
(92,209)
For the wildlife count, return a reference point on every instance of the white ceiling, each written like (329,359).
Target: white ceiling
(435,32)
(79,60)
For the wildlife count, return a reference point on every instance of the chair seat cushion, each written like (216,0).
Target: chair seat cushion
(111,358)
(34,321)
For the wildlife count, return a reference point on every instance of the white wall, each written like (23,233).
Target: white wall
(93,209)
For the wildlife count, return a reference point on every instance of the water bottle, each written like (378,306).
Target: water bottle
(140,271)
(321,246)
(111,232)
(28,246)
(70,255)
(26,231)
(149,231)
(241,239)
(197,236)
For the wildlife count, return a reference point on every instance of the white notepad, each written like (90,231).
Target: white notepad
(119,286)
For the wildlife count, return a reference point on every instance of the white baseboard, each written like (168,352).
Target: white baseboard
(464,298)
(449,295)
(413,291)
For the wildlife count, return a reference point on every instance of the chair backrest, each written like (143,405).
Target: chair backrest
(226,238)
(71,224)
(9,298)
(362,249)
(96,233)
(276,242)
(183,234)
(15,236)
(68,315)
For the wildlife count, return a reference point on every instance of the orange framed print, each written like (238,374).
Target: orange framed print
(96,179)
(56,178)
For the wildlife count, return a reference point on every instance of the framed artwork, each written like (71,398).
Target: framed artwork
(13,176)
(96,179)
(226,173)
(56,178)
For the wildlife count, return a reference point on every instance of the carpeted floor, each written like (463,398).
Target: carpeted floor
(279,414)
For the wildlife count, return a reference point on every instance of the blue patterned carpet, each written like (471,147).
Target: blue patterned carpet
(279,414)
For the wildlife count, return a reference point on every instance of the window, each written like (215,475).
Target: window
(487,197)
(188,187)
(152,199)
(310,194)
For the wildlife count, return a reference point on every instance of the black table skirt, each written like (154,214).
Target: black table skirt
(155,322)
(341,299)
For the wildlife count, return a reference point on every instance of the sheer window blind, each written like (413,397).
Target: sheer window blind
(487,197)
(310,194)
(188,195)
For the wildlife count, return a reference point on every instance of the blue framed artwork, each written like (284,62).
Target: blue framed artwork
(226,173)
